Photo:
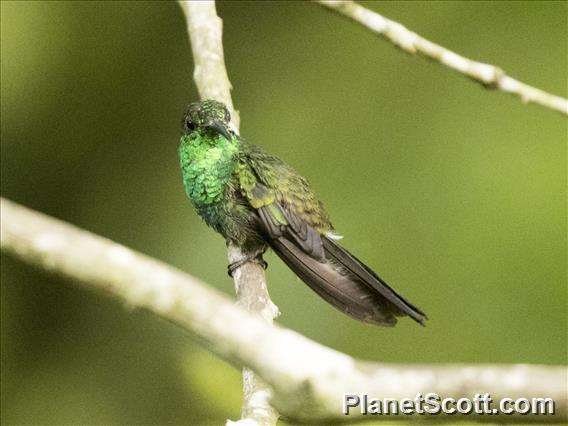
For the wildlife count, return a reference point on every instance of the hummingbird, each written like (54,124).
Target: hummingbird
(257,201)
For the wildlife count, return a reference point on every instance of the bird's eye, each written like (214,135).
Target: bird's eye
(190,125)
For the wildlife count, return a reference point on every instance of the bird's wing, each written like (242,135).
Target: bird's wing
(278,217)
(296,224)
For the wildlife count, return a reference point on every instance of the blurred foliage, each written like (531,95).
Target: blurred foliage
(455,194)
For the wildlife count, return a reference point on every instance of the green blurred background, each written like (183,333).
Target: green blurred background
(455,194)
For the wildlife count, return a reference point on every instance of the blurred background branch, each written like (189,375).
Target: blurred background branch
(308,379)
(205,30)
(489,76)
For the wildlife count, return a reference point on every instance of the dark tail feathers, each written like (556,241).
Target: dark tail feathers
(346,283)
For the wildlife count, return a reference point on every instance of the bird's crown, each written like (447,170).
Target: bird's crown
(207,116)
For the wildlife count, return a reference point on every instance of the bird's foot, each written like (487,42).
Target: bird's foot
(253,258)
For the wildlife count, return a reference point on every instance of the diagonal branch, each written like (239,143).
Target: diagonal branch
(489,76)
(308,379)
(205,30)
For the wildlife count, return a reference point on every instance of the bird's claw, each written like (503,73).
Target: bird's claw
(256,258)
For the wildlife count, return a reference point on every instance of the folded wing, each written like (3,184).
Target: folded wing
(298,237)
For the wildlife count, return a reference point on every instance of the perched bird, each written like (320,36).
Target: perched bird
(255,201)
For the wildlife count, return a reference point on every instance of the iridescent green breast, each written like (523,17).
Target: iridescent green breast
(207,166)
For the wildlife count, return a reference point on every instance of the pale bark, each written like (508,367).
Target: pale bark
(205,30)
(490,76)
(307,380)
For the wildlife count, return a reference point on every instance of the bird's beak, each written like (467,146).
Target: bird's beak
(220,128)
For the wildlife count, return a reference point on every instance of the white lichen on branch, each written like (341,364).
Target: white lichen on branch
(490,76)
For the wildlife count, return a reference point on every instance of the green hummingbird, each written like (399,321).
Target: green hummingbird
(255,201)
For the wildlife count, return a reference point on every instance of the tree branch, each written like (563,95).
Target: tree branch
(205,33)
(489,76)
(308,379)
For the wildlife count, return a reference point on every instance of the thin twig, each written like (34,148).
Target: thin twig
(308,379)
(205,32)
(489,76)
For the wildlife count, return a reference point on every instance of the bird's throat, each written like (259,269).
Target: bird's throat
(207,165)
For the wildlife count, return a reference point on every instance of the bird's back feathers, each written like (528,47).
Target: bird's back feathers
(296,233)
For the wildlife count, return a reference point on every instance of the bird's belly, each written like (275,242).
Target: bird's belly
(213,214)
(235,221)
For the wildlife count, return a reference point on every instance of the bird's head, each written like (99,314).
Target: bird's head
(207,117)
